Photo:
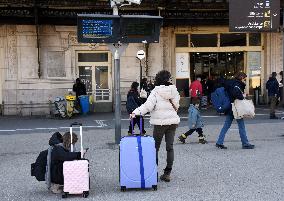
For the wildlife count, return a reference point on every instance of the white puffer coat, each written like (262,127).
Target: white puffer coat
(158,104)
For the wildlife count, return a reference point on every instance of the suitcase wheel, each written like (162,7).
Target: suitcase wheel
(65,195)
(85,194)
(155,187)
(123,188)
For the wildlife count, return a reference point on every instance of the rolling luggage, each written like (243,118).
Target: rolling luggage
(76,173)
(137,161)
(204,101)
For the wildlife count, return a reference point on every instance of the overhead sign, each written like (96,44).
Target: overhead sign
(254,15)
(140,28)
(98,28)
(94,28)
(141,54)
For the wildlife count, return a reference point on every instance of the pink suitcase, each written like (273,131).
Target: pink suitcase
(76,173)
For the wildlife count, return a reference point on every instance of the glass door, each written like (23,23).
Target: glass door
(95,72)
(102,86)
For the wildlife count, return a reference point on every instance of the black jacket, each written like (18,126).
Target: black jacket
(80,89)
(272,86)
(58,156)
(133,101)
(235,89)
(135,95)
(39,167)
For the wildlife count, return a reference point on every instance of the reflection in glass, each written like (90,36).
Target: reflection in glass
(255,39)
(93,57)
(101,77)
(181,40)
(236,39)
(203,40)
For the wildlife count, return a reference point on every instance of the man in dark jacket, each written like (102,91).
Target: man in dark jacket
(272,86)
(79,88)
(235,89)
(281,87)
(133,102)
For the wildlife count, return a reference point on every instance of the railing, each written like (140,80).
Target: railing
(102,95)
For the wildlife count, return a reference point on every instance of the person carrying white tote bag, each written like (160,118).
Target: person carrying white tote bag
(243,109)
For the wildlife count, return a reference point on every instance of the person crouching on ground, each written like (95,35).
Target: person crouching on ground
(162,103)
(59,154)
(195,123)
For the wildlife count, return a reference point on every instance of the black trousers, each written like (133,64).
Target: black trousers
(198,130)
(136,120)
(169,132)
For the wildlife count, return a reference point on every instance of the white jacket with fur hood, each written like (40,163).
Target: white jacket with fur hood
(158,104)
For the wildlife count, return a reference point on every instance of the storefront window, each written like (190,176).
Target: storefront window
(215,65)
(203,40)
(183,87)
(254,69)
(255,39)
(181,40)
(236,39)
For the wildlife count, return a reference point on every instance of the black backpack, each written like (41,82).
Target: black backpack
(38,168)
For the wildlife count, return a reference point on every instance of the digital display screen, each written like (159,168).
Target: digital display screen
(97,28)
(94,28)
(139,29)
(254,15)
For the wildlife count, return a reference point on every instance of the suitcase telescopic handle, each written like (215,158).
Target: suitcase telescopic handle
(81,136)
(76,124)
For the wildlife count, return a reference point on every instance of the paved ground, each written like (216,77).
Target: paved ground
(201,172)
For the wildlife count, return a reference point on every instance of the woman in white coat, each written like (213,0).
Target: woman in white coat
(162,103)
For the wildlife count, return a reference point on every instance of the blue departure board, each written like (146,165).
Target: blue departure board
(99,28)
(94,28)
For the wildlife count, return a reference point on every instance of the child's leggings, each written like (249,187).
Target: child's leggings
(198,130)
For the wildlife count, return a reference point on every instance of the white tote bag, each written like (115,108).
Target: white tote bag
(143,93)
(243,109)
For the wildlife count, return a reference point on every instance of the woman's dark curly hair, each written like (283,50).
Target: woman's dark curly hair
(240,75)
(135,86)
(162,78)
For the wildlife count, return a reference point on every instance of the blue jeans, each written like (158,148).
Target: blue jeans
(227,125)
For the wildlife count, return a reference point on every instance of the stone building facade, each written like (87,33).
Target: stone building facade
(40,57)
(32,76)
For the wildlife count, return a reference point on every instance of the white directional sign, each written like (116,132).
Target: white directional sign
(141,54)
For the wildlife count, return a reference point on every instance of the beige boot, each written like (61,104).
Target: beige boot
(166,176)
(56,188)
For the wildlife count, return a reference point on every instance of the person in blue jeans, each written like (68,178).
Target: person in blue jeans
(235,89)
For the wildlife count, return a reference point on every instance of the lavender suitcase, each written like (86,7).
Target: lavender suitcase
(138,167)
(76,173)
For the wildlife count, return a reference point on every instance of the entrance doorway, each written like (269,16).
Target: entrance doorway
(94,69)
(216,64)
